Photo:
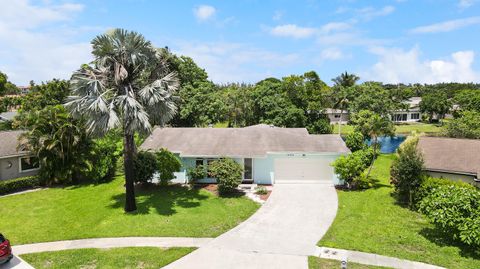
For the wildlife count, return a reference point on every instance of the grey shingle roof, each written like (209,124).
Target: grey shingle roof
(451,155)
(254,141)
(9,143)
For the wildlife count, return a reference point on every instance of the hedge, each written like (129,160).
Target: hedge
(18,184)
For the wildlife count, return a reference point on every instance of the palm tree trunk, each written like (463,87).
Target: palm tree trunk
(128,155)
(374,156)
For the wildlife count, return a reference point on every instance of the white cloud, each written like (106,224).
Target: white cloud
(446,26)
(466,3)
(335,26)
(278,15)
(292,30)
(397,65)
(204,12)
(332,53)
(236,62)
(31,52)
(369,13)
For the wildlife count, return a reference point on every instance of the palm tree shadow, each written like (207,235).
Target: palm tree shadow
(162,199)
(443,239)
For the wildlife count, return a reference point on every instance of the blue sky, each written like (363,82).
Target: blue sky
(247,40)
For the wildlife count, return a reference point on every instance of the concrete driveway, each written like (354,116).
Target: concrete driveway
(281,234)
(16,263)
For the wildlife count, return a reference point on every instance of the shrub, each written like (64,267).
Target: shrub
(19,184)
(167,164)
(320,126)
(228,174)
(407,170)
(196,173)
(355,141)
(466,126)
(430,183)
(102,161)
(350,167)
(145,166)
(455,210)
(261,190)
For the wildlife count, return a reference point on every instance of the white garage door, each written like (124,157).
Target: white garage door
(303,170)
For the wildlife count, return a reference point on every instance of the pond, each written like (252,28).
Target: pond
(389,144)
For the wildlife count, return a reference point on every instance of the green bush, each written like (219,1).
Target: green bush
(455,210)
(261,190)
(228,174)
(349,168)
(196,173)
(320,126)
(406,172)
(430,183)
(18,184)
(167,164)
(145,164)
(355,141)
(102,161)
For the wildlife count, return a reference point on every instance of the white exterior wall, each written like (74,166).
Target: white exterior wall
(263,167)
(454,177)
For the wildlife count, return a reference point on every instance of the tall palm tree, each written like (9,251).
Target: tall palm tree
(346,80)
(128,85)
(342,85)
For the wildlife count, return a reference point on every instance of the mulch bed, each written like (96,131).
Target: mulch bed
(264,197)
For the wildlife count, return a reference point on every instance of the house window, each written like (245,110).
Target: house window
(198,162)
(415,116)
(29,164)
(400,117)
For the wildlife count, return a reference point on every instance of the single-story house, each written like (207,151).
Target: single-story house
(411,114)
(451,158)
(15,162)
(268,154)
(337,116)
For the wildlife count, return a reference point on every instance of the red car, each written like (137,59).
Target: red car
(5,250)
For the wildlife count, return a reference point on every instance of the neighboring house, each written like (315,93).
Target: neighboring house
(452,158)
(268,154)
(13,161)
(337,116)
(8,116)
(412,114)
(24,89)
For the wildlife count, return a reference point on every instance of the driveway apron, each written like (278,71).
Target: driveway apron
(281,234)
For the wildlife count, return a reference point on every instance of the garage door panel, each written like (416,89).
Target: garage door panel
(303,169)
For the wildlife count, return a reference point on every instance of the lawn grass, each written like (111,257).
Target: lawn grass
(318,263)
(399,129)
(371,221)
(90,211)
(134,257)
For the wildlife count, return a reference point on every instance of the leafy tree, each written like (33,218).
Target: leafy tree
(468,100)
(128,85)
(239,101)
(406,172)
(355,141)
(145,163)
(6,87)
(373,125)
(346,80)
(167,164)
(372,96)
(435,104)
(52,93)
(60,143)
(466,126)
(349,168)
(228,174)
(321,126)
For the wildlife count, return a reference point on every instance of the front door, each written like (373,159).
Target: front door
(247,169)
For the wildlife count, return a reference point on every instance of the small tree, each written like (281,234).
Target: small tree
(167,164)
(228,174)
(373,125)
(145,164)
(466,126)
(406,170)
(349,168)
(355,141)
(435,103)
(196,173)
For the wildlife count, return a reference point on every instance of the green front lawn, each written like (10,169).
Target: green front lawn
(371,221)
(135,257)
(90,211)
(317,263)
(399,129)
